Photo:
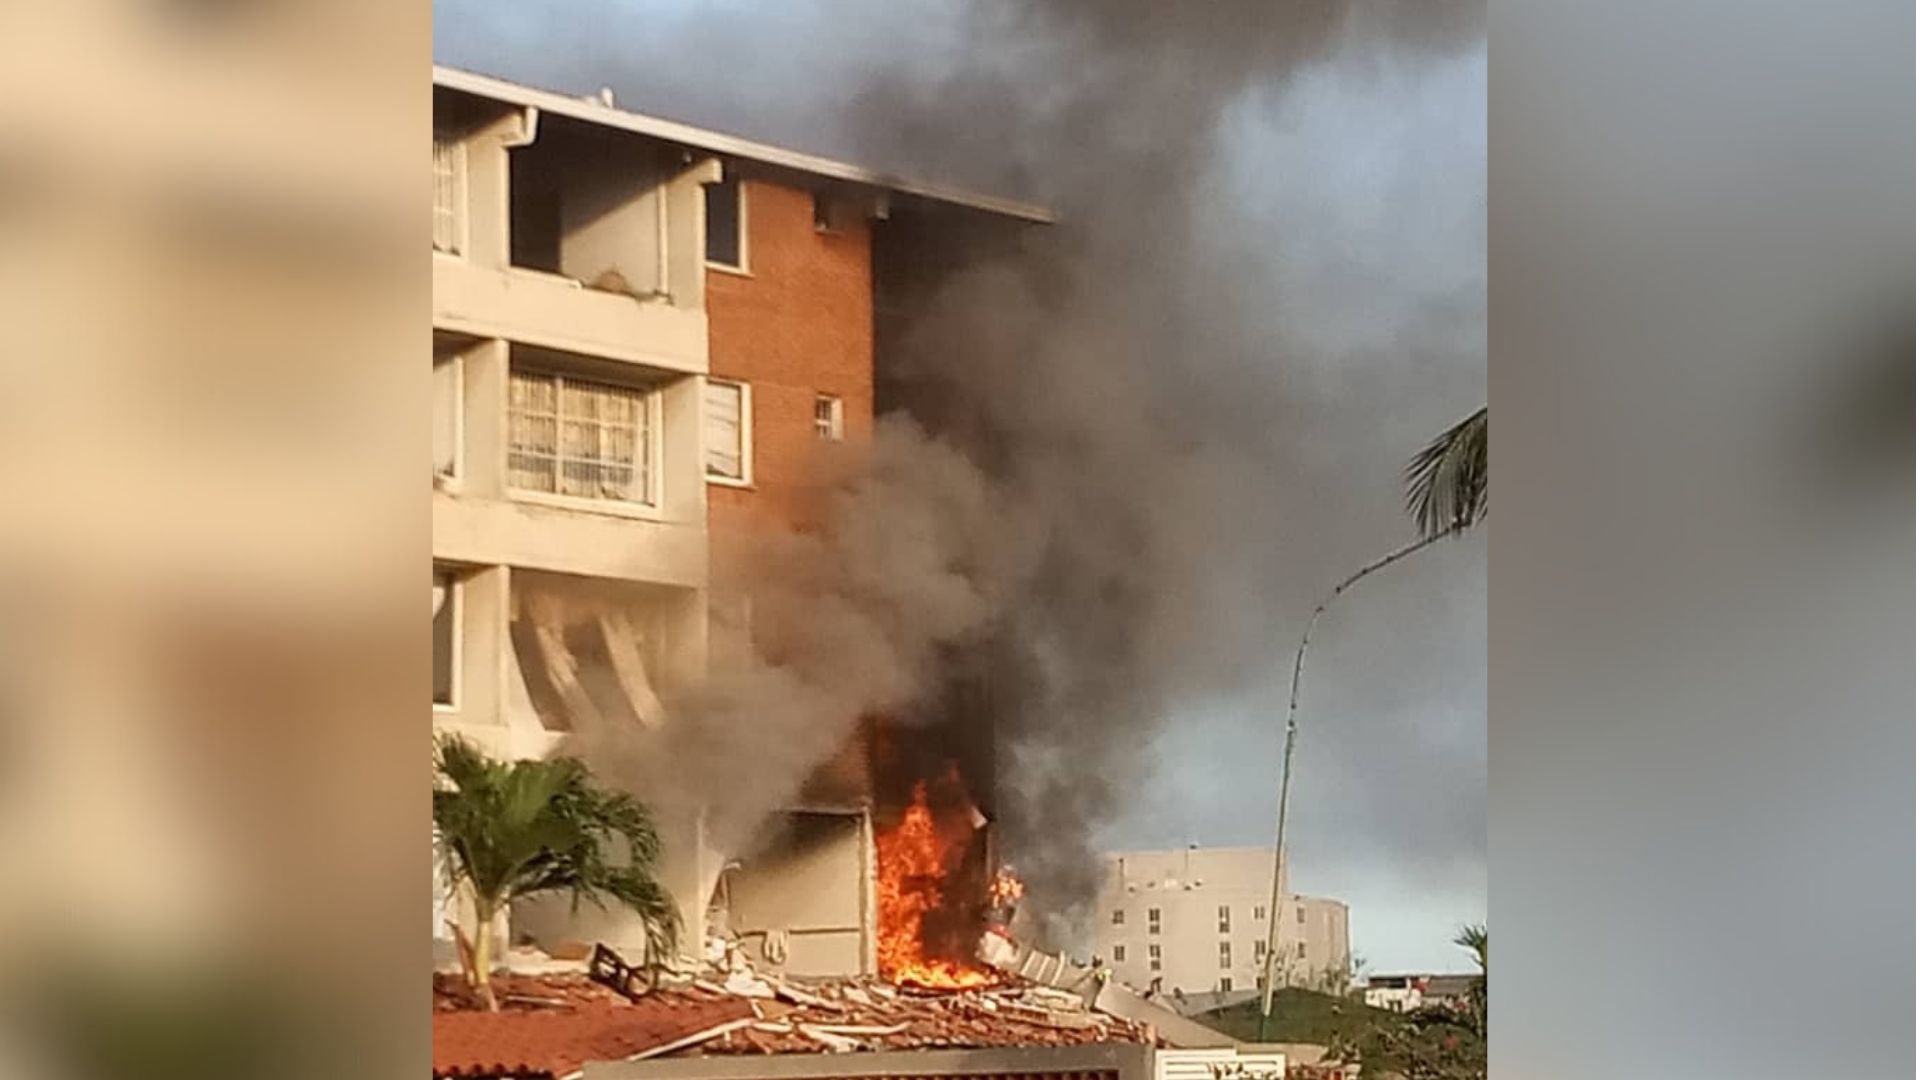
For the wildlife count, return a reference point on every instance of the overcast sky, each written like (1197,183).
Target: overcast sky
(1352,193)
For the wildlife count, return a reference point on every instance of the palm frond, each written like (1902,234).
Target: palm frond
(1447,480)
(512,830)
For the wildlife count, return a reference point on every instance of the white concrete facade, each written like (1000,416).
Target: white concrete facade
(1195,921)
(614,332)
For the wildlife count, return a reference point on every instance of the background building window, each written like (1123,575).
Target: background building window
(1153,920)
(1300,915)
(726,224)
(1260,913)
(449,195)
(1119,917)
(589,440)
(729,441)
(446,636)
(828,418)
(1226,954)
(1301,951)
(1259,950)
(1153,958)
(1226,984)
(1119,954)
(1226,919)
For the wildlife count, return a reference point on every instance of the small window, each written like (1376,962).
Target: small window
(588,440)
(446,637)
(1119,954)
(1226,984)
(726,224)
(449,195)
(1226,919)
(1153,920)
(1226,954)
(1153,965)
(728,416)
(1301,951)
(1300,915)
(1260,913)
(446,415)
(1153,958)
(1259,950)
(828,418)
(1119,917)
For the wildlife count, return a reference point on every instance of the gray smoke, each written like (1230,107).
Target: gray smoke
(1147,427)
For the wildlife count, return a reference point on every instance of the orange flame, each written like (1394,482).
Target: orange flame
(913,863)
(1005,888)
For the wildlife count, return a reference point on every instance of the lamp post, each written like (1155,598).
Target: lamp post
(1286,766)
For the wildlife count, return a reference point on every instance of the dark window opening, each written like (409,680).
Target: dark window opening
(533,217)
(724,232)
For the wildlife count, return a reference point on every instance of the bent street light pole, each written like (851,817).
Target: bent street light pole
(1286,765)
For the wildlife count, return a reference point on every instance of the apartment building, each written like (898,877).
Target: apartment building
(644,335)
(1196,921)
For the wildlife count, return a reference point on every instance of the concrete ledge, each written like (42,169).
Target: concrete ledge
(558,313)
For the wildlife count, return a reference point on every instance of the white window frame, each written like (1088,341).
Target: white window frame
(836,429)
(456,661)
(745,269)
(462,228)
(651,398)
(745,479)
(459,364)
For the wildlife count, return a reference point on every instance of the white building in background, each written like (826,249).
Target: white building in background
(1195,921)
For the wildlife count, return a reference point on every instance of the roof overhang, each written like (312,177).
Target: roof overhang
(595,112)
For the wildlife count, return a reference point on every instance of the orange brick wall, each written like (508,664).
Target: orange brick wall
(800,322)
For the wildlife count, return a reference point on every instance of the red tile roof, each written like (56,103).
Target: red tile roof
(555,1041)
(572,1021)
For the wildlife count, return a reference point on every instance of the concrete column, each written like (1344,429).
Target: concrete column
(484,415)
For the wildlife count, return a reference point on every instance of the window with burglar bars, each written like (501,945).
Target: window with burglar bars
(827,423)
(449,194)
(574,437)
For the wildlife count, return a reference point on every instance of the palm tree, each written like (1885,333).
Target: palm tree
(1474,940)
(1446,494)
(508,831)
(1447,481)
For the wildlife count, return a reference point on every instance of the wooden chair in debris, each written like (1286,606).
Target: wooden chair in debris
(609,970)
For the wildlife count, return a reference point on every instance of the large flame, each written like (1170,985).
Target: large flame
(914,863)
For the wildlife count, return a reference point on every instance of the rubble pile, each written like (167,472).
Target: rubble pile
(789,1015)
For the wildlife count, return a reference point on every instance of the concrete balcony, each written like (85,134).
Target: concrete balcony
(559,313)
(577,540)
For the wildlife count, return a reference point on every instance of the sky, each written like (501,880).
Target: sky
(1343,193)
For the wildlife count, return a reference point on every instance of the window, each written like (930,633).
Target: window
(449,195)
(1300,915)
(1226,984)
(588,440)
(1226,954)
(828,423)
(446,415)
(1226,919)
(1301,951)
(1119,917)
(1153,920)
(728,413)
(446,637)
(1119,954)
(1260,913)
(726,224)
(1153,958)
(1259,950)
